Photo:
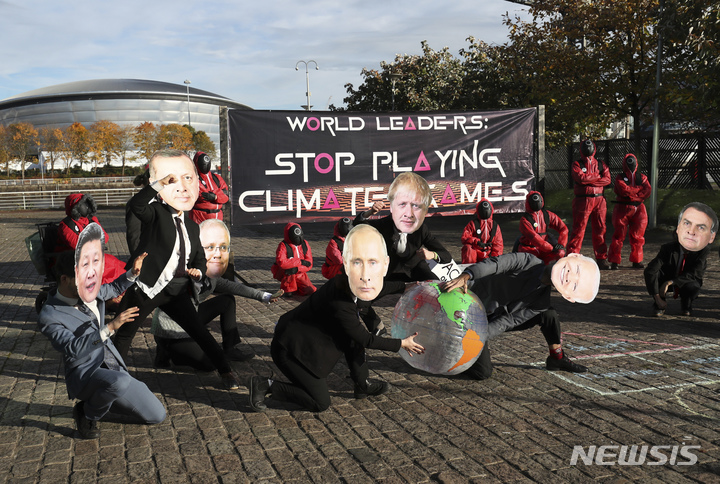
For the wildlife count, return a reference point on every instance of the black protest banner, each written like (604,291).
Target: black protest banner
(307,166)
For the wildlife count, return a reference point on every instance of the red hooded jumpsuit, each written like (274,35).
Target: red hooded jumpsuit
(632,188)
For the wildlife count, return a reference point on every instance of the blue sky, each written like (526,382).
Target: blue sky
(245,52)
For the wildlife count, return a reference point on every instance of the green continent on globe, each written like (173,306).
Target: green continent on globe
(454,303)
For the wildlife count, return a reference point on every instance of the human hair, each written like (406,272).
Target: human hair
(214,221)
(64,265)
(90,233)
(701,207)
(359,229)
(167,153)
(593,279)
(414,182)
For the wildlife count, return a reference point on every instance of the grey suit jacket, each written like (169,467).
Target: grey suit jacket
(77,337)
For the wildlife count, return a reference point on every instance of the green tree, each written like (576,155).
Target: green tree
(77,144)
(23,140)
(104,142)
(202,142)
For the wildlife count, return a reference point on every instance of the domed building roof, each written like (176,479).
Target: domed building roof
(122,101)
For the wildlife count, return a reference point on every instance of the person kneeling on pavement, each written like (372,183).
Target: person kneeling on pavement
(515,291)
(310,339)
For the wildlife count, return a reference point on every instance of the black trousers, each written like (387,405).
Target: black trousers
(306,389)
(186,352)
(176,300)
(549,325)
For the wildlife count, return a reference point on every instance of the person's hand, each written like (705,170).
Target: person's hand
(409,285)
(276,296)
(124,317)
(306,263)
(660,301)
(137,264)
(558,248)
(208,196)
(411,346)
(666,287)
(167,180)
(194,273)
(377,207)
(458,282)
(425,254)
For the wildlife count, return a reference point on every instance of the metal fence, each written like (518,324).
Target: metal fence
(46,199)
(686,161)
(67,181)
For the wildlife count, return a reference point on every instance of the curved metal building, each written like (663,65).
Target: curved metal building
(122,101)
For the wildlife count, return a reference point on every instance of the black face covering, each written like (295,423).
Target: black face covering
(535,202)
(484,210)
(587,148)
(344,226)
(203,163)
(82,208)
(631,163)
(296,235)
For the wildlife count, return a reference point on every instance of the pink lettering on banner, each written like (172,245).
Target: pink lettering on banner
(316,121)
(448,196)
(331,201)
(410,125)
(331,163)
(422,163)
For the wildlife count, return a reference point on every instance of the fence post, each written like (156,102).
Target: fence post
(701,162)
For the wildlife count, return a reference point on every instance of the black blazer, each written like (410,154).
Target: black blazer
(420,238)
(158,235)
(665,265)
(324,326)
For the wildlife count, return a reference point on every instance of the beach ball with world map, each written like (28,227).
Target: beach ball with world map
(452,327)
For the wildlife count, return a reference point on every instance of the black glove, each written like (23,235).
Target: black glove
(558,247)
(209,196)
(292,270)
(306,263)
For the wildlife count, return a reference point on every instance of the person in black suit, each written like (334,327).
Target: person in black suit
(310,339)
(176,257)
(681,264)
(410,243)
(73,319)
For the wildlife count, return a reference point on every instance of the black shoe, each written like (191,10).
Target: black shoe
(603,264)
(614,266)
(162,357)
(564,364)
(371,389)
(259,387)
(657,312)
(87,428)
(230,381)
(638,265)
(687,312)
(236,354)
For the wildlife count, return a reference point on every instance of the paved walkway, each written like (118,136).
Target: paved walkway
(653,382)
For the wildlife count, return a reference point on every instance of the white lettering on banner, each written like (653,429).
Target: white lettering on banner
(323,163)
(362,198)
(332,124)
(326,123)
(458,158)
(624,455)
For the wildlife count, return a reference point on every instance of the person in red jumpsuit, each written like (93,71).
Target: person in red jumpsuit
(482,237)
(632,188)
(81,210)
(591,176)
(333,264)
(534,226)
(293,259)
(213,191)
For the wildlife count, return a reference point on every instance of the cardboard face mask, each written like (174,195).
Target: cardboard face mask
(89,262)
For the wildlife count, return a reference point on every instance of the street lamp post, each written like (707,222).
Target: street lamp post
(187,85)
(394,76)
(307,80)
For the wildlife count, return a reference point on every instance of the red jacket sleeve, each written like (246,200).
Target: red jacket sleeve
(497,245)
(306,256)
(282,259)
(333,255)
(556,223)
(468,235)
(531,235)
(221,192)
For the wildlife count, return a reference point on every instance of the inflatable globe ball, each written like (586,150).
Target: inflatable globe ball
(452,327)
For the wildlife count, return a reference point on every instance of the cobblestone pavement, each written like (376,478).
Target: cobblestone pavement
(652,382)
